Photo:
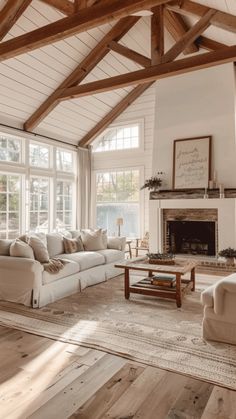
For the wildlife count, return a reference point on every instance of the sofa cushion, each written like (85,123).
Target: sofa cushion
(93,240)
(73,245)
(39,248)
(111,255)
(85,259)
(69,268)
(55,244)
(5,247)
(21,249)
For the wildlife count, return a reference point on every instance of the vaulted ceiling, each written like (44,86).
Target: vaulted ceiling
(92,47)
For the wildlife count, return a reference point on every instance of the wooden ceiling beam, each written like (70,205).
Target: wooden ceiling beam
(10,13)
(163,70)
(157,35)
(177,28)
(220,19)
(113,114)
(102,13)
(209,44)
(189,37)
(130,54)
(82,70)
(64,6)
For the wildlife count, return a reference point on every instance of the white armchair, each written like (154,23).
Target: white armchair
(219,300)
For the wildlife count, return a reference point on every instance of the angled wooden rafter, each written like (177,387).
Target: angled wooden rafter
(85,19)
(129,53)
(177,28)
(220,19)
(152,73)
(209,44)
(113,114)
(10,13)
(82,70)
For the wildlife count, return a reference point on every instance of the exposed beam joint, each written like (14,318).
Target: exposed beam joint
(189,37)
(85,19)
(130,54)
(10,13)
(177,28)
(113,114)
(82,70)
(209,44)
(220,19)
(196,62)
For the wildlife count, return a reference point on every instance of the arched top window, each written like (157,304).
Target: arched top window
(122,137)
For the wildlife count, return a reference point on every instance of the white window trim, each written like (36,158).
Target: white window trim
(22,202)
(141,195)
(124,124)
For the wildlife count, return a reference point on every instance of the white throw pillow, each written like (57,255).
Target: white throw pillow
(39,248)
(21,249)
(93,240)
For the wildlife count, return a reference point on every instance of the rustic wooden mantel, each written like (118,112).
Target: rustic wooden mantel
(192,193)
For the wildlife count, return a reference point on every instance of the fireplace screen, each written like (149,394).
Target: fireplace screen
(191,237)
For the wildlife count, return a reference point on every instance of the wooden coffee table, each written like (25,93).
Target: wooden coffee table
(145,287)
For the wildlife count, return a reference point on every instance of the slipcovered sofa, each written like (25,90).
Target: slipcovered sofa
(219,300)
(24,280)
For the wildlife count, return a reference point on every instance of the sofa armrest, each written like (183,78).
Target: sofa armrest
(20,264)
(227,284)
(117,243)
(207,296)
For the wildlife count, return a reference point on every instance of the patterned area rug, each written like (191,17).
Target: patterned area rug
(145,329)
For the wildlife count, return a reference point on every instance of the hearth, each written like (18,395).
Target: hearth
(192,237)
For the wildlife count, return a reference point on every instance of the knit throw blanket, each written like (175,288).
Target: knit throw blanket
(53,266)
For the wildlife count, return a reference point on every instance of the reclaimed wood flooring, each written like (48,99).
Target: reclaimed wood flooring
(44,379)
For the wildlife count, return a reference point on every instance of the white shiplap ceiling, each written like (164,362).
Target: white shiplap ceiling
(27,80)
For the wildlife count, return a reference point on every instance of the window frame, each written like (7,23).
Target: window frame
(21,176)
(141,195)
(21,161)
(117,125)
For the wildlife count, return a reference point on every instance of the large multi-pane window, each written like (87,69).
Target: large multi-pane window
(64,204)
(119,138)
(10,188)
(37,182)
(10,149)
(39,204)
(117,196)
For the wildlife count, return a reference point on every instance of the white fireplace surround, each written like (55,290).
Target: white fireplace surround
(226,218)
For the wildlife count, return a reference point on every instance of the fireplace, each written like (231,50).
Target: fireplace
(192,237)
(190,231)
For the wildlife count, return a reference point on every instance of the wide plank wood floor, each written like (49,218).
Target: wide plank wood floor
(44,379)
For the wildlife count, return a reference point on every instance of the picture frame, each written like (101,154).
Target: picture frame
(192,162)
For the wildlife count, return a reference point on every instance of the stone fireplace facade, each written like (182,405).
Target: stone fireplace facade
(190,231)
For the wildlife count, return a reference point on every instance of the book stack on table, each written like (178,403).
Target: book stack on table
(162,280)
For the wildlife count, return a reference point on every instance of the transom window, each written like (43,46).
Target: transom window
(65,160)
(39,155)
(119,138)
(10,188)
(10,149)
(117,195)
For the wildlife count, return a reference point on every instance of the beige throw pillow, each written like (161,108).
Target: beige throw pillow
(73,245)
(5,247)
(93,240)
(39,248)
(21,249)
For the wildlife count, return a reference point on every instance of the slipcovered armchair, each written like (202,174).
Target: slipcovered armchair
(219,300)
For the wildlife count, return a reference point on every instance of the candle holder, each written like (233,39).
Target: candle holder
(205,196)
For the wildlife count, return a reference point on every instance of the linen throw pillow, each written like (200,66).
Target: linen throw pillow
(73,245)
(39,248)
(93,240)
(21,249)
(5,247)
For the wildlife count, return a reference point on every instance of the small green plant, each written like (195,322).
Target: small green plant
(153,182)
(228,253)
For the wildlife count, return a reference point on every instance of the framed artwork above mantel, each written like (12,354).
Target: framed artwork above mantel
(192,162)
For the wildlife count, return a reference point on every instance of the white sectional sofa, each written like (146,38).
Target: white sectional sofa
(25,281)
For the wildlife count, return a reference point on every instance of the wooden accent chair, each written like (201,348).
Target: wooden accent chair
(142,244)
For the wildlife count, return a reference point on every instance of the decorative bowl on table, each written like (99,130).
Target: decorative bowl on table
(161,258)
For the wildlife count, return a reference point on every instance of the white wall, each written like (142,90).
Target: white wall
(197,104)
(143,108)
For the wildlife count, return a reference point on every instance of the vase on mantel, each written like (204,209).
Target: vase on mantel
(230,261)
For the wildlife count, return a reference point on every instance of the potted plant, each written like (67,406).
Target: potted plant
(229,254)
(154,182)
